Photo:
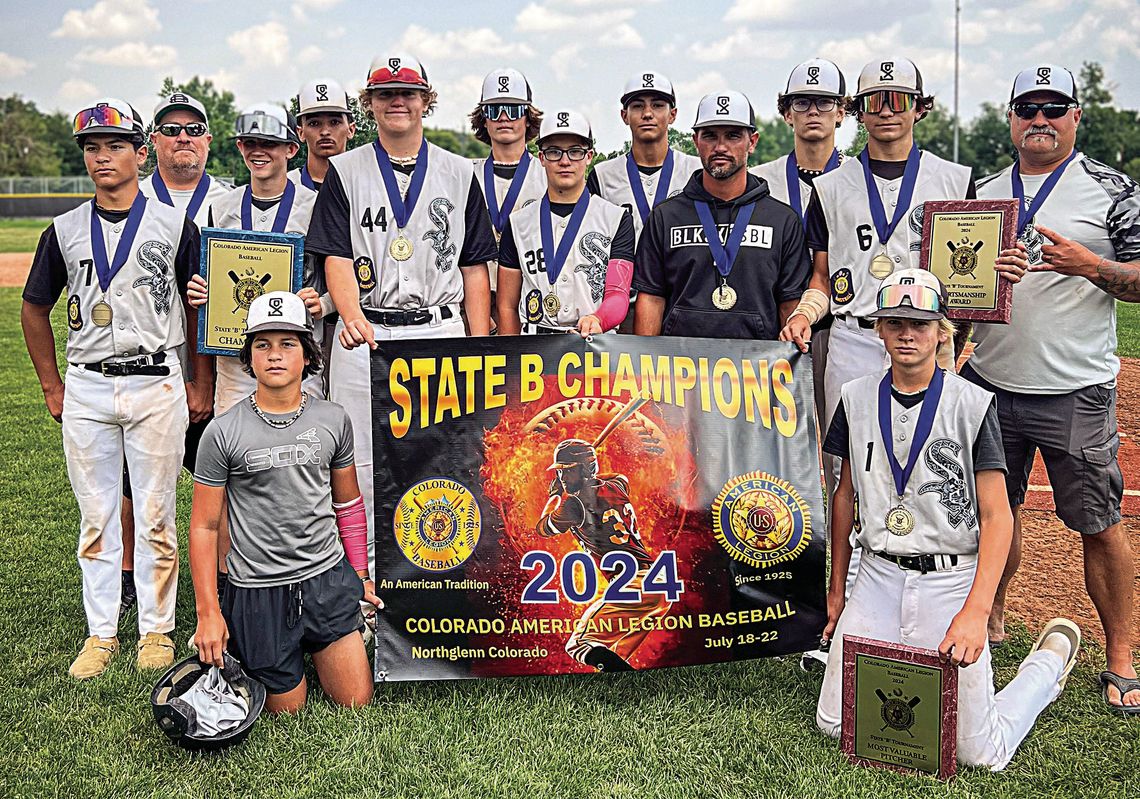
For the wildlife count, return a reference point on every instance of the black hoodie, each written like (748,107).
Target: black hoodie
(673,261)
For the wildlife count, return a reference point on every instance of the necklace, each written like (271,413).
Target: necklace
(278,423)
(506,163)
(402,160)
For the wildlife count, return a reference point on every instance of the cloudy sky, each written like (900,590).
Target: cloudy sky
(576,53)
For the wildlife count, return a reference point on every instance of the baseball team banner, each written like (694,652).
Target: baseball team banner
(551,505)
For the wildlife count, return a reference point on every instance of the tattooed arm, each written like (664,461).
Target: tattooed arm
(1121,279)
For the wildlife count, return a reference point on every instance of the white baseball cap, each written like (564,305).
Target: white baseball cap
(893,73)
(109,115)
(322,96)
(648,83)
(178,101)
(1044,78)
(397,72)
(565,121)
(266,121)
(278,310)
(505,86)
(727,107)
(915,295)
(818,77)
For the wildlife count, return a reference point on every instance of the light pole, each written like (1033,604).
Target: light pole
(957,21)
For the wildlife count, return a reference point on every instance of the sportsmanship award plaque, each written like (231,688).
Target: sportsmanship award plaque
(961,239)
(239,266)
(900,707)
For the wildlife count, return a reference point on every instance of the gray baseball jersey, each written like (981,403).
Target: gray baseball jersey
(144,297)
(776,174)
(181,199)
(532,190)
(278,485)
(941,493)
(853,242)
(612,182)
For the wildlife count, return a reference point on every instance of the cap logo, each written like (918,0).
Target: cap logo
(906,281)
(563,119)
(394,65)
(504,84)
(1044,75)
(178,97)
(812,76)
(887,70)
(322,93)
(647,80)
(722,105)
(275,307)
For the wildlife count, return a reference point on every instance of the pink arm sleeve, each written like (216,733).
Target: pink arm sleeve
(352,524)
(615,302)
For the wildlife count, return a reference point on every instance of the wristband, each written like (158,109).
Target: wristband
(813,305)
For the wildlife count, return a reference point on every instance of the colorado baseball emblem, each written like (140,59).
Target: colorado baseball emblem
(761,520)
(534,306)
(74,313)
(248,287)
(841,291)
(364,274)
(437,524)
(964,257)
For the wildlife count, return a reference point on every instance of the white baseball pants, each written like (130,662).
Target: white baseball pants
(889,603)
(144,418)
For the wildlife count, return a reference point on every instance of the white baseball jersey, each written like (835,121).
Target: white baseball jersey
(1062,332)
(775,172)
(147,315)
(941,493)
(852,240)
(580,285)
(613,183)
(533,187)
(435,230)
(181,199)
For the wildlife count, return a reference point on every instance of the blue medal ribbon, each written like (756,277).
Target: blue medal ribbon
(1024,214)
(401,208)
(792,173)
(664,178)
(307,179)
(283,208)
(556,259)
(921,434)
(906,192)
(105,271)
(499,215)
(163,194)
(724,255)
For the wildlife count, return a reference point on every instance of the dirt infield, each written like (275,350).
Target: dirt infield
(1051,580)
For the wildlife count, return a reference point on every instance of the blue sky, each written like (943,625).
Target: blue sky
(576,53)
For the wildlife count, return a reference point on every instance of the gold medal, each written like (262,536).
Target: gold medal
(101,314)
(724,296)
(900,521)
(881,265)
(551,304)
(400,248)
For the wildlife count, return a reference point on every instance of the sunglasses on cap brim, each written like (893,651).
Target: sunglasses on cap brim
(102,116)
(910,295)
(514,111)
(1051,110)
(262,126)
(898,102)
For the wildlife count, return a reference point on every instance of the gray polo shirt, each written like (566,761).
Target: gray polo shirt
(278,485)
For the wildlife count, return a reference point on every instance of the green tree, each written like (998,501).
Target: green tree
(225,160)
(25,148)
(776,139)
(1108,134)
(858,143)
(935,133)
(986,139)
(59,134)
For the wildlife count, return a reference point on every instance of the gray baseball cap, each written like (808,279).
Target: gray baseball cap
(565,121)
(505,86)
(893,73)
(817,77)
(727,107)
(648,83)
(322,96)
(278,310)
(1044,78)
(178,101)
(910,294)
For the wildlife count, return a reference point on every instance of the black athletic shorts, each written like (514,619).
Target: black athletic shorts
(272,629)
(193,436)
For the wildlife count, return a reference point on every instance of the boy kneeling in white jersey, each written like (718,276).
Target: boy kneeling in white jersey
(283,461)
(923,488)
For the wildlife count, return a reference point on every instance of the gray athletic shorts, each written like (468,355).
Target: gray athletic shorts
(1077,436)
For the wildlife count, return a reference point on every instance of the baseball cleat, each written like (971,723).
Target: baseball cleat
(815,660)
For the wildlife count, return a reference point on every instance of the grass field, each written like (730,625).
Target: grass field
(743,730)
(20,235)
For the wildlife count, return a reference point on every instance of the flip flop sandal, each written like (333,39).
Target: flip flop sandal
(1122,684)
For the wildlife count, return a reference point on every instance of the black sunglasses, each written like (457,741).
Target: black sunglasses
(1050,110)
(193,129)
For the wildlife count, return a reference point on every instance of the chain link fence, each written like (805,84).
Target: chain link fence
(70,185)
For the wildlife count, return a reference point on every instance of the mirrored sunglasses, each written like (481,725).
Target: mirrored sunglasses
(1050,110)
(260,126)
(556,153)
(897,101)
(514,111)
(103,116)
(193,129)
(921,298)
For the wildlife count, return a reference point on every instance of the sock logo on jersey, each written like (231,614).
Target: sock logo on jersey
(258,460)
(154,257)
(952,492)
(595,248)
(915,222)
(440,238)
(1033,242)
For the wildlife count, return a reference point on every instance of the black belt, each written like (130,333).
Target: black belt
(919,563)
(143,365)
(543,330)
(866,324)
(419,316)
